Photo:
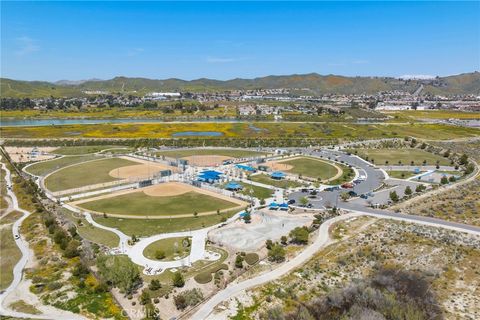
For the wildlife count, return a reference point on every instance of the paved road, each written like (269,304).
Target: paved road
(374,179)
(322,241)
(26,256)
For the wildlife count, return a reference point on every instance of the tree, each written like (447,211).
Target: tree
(284,240)
(452,179)
(344,196)
(420,188)
(154,285)
(299,235)
(120,271)
(444,180)
(178,280)
(247,217)
(463,159)
(276,253)
(303,201)
(394,196)
(144,298)
(269,244)
(408,191)
(239,261)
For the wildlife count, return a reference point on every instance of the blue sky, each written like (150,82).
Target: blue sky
(223,40)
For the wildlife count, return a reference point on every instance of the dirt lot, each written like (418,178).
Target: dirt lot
(265,225)
(24,154)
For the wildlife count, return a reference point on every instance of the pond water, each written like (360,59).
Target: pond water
(197,134)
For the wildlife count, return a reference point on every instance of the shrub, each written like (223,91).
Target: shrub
(178,280)
(188,298)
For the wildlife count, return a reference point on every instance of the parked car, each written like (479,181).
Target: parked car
(309,205)
(352,193)
(364,196)
(291,201)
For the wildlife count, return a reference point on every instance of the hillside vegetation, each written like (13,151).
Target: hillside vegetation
(468,83)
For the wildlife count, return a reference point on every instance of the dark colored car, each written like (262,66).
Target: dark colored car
(291,201)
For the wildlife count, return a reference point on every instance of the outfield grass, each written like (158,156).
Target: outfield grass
(234,153)
(258,192)
(9,256)
(406,156)
(45,167)
(171,247)
(265,179)
(309,167)
(85,174)
(149,227)
(139,203)
(78,150)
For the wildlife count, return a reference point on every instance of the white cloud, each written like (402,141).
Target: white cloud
(26,45)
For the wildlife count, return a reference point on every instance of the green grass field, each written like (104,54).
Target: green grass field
(85,174)
(45,167)
(149,227)
(79,150)
(9,256)
(406,156)
(309,167)
(139,203)
(265,179)
(402,174)
(91,233)
(234,153)
(258,192)
(171,247)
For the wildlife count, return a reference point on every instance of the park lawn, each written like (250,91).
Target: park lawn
(85,174)
(80,150)
(149,227)
(258,192)
(90,232)
(347,175)
(234,153)
(139,203)
(45,167)
(265,179)
(172,248)
(9,256)
(402,174)
(309,167)
(406,156)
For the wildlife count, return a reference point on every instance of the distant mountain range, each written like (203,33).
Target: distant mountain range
(313,83)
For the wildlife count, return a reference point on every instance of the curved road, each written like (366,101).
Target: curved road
(374,178)
(26,256)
